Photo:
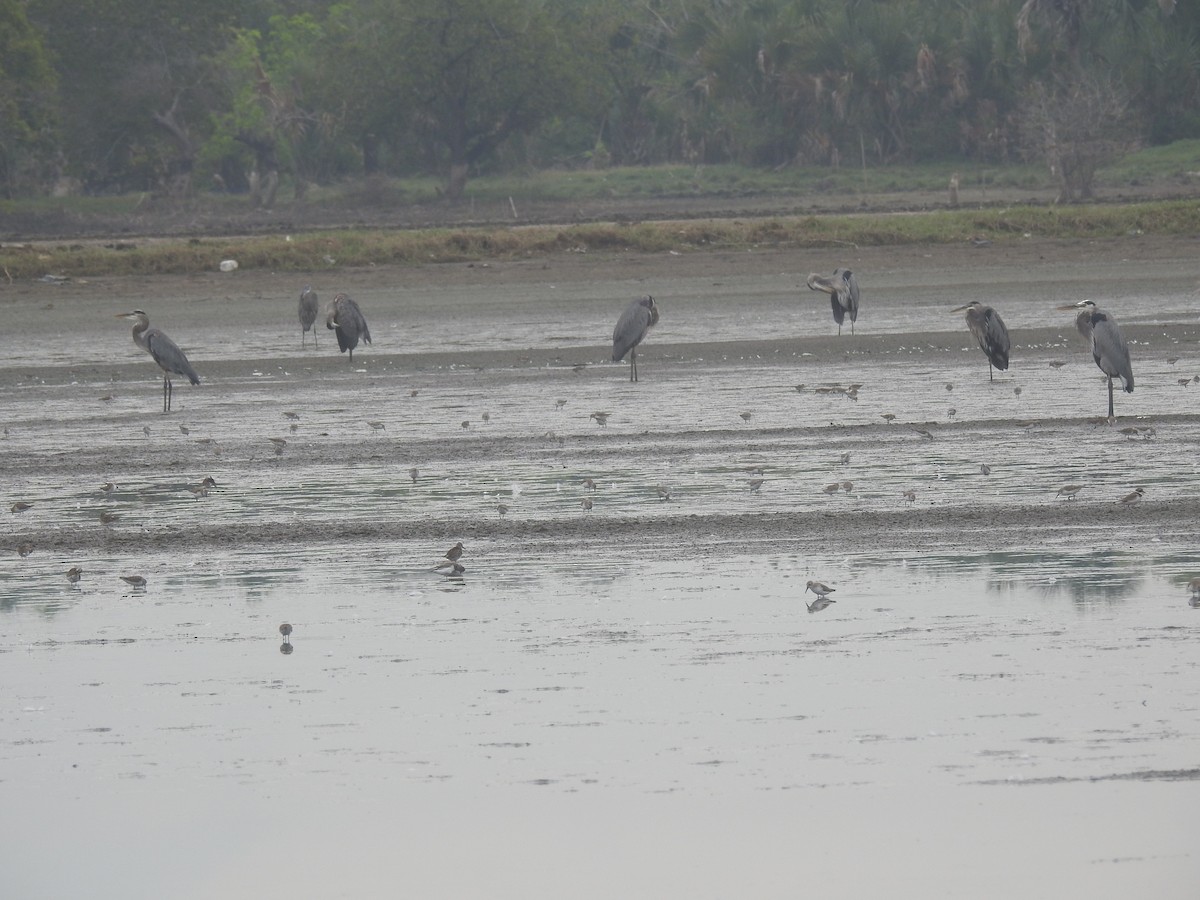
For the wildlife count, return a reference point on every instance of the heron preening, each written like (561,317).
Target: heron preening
(308,313)
(349,323)
(637,319)
(162,350)
(842,289)
(1108,346)
(987,326)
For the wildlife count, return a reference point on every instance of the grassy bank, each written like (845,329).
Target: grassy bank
(320,251)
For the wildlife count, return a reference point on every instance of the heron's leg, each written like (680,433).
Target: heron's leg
(633,364)
(1110,397)
(990,377)
(166,396)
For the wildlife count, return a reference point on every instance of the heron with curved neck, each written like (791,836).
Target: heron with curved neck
(162,350)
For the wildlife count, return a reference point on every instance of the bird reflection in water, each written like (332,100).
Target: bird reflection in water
(819,604)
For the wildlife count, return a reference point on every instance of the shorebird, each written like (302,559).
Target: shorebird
(600,417)
(1109,351)
(637,319)
(989,331)
(844,459)
(819,588)
(842,289)
(450,567)
(455,552)
(831,488)
(589,484)
(108,487)
(909,496)
(163,351)
(663,493)
(1194,586)
(377,426)
(586,503)
(74,574)
(1069,491)
(24,548)
(889,417)
(21,506)
(985,469)
(347,321)
(136,581)
(107,518)
(1133,496)
(308,313)
(286,629)
(745,416)
(755,484)
(414,473)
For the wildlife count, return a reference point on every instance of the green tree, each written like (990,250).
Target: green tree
(27,102)
(136,84)
(267,111)
(470,74)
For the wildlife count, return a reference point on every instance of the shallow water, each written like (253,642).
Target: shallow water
(634,697)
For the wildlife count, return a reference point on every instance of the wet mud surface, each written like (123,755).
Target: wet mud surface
(1002,667)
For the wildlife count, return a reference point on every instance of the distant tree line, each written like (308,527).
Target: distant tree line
(179,96)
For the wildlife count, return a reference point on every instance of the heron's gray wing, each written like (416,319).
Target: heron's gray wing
(168,355)
(630,330)
(1109,349)
(995,340)
(848,295)
(308,307)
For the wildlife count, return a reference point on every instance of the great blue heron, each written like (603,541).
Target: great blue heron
(987,326)
(1108,347)
(162,350)
(638,318)
(842,289)
(348,321)
(308,313)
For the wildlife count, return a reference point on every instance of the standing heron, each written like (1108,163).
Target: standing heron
(163,350)
(348,321)
(842,289)
(1108,347)
(987,326)
(638,318)
(308,313)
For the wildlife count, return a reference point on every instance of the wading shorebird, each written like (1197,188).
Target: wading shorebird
(74,574)
(308,313)
(136,581)
(455,552)
(638,318)
(1069,491)
(346,319)
(842,289)
(1133,496)
(821,589)
(163,351)
(286,630)
(988,328)
(1108,346)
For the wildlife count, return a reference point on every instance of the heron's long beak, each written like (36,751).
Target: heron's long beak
(1070,307)
(961,308)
